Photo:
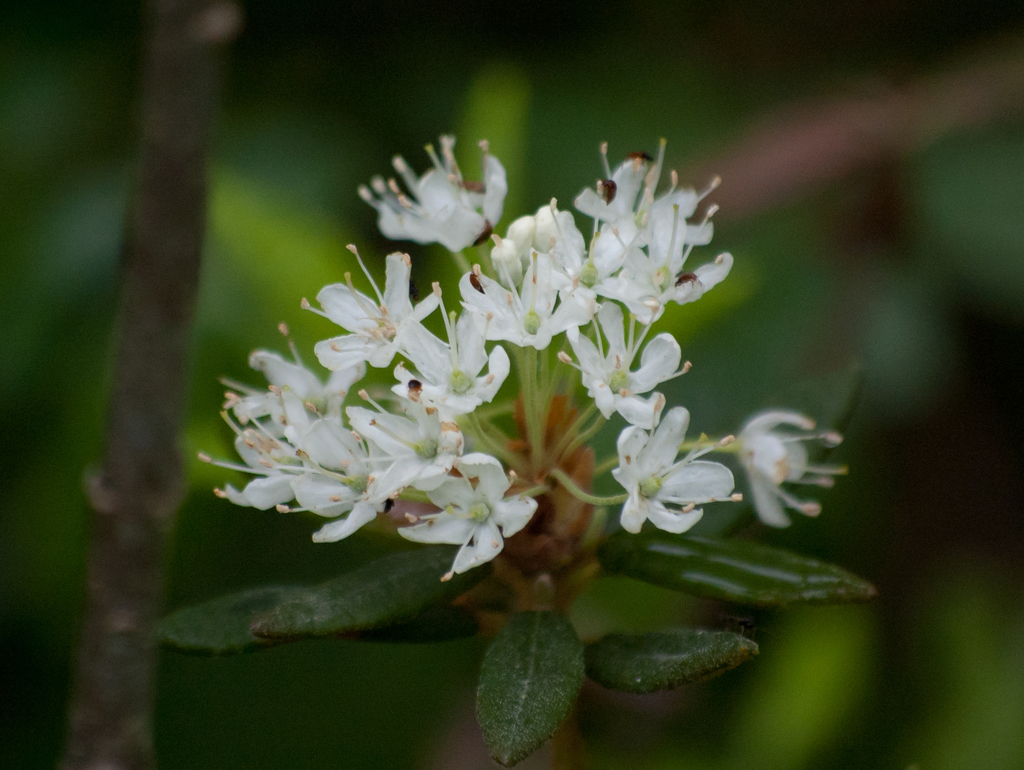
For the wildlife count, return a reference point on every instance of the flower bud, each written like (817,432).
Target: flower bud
(521,232)
(547,230)
(507,263)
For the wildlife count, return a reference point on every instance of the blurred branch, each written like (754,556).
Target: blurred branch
(790,154)
(135,495)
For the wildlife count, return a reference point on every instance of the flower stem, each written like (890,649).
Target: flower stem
(574,430)
(461,262)
(586,435)
(566,481)
(606,465)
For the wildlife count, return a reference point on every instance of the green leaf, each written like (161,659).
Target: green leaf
(382,593)
(529,681)
(731,570)
(437,624)
(221,626)
(643,663)
(829,400)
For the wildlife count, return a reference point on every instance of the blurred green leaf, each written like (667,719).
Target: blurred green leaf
(436,624)
(644,663)
(807,692)
(730,570)
(497,109)
(830,400)
(221,626)
(529,681)
(395,588)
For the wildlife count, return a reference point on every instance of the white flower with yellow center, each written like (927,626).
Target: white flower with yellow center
(440,206)
(416,450)
(376,327)
(449,376)
(477,517)
(607,373)
(773,455)
(660,488)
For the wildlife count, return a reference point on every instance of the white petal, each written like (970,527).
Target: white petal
(347,309)
(315,492)
(664,445)
(671,520)
(346,351)
(495,189)
(767,504)
(396,287)
(658,362)
(267,491)
(697,482)
(363,513)
(441,529)
(514,514)
(639,412)
(634,512)
(487,543)
(285,374)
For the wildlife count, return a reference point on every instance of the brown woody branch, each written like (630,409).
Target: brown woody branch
(135,495)
(799,150)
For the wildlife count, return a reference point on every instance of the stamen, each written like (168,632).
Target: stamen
(604,160)
(351,247)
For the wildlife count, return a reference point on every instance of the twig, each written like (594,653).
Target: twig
(135,495)
(792,153)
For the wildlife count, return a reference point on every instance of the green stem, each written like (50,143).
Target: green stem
(540,489)
(606,465)
(461,261)
(566,481)
(574,430)
(585,436)
(482,432)
(528,383)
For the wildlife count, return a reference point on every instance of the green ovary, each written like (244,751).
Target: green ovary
(460,382)
(618,381)
(649,487)
(588,274)
(480,512)
(531,322)
(426,449)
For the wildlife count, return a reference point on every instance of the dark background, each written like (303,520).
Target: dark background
(906,255)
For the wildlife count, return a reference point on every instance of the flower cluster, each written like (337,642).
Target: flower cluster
(432,448)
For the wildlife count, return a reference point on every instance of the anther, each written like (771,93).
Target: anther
(564,357)
(736,497)
(447,576)
(205,457)
(304,304)
(435,287)
(220,493)
(282,508)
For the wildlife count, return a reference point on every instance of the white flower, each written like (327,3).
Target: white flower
(615,197)
(655,481)
(443,207)
(772,456)
(473,517)
(295,381)
(607,375)
(528,316)
(275,463)
(376,327)
(449,376)
(420,449)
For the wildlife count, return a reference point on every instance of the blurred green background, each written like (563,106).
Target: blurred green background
(911,263)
